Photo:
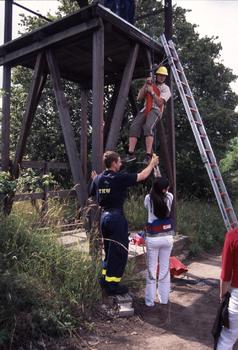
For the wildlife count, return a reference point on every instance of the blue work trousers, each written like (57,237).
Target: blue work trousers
(114,228)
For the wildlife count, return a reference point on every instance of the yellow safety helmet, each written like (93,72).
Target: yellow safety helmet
(162,70)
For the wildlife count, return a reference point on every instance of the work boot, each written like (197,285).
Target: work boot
(102,282)
(130,157)
(116,290)
(147,158)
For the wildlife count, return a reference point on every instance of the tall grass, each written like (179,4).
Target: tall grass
(202,222)
(43,285)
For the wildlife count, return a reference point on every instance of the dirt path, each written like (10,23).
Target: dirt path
(185,324)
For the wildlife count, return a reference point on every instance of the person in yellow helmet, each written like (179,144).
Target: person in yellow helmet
(155,97)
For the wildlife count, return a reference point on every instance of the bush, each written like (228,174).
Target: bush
(42,283)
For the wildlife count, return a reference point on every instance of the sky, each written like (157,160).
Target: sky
(213,17)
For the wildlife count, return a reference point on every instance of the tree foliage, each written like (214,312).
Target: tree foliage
(208,77)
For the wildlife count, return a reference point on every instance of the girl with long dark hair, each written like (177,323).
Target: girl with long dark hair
(159,241)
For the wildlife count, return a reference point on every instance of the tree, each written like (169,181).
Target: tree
(229,165)
(208,78)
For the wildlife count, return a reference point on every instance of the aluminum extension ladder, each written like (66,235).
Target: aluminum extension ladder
(203,143)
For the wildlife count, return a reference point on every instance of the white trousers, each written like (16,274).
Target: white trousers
(158,251)
(229,336)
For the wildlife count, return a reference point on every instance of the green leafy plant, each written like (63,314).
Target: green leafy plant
(45,288)
(7,184)
(30,181)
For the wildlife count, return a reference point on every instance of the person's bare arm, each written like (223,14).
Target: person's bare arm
(224,287)
(146,172)
(143,91)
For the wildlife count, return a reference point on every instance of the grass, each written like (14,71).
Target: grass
(48,290)
(202,222)
(45,289)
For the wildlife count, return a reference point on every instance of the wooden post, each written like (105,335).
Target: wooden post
(168,18)
(84,131)
(164,151)
(122,98)
(132,100)
(71,148)
(6,91)
(37,85)
(109,116)
(98,98)
(45,207)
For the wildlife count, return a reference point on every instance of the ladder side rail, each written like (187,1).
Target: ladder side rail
(190,115)
(202,151)
(220,203)
(208,158)
(216,171)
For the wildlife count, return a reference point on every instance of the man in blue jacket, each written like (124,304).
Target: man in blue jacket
(110,189)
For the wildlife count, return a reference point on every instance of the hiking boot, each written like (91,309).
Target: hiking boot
(117,290)
(130,157)
(147,158)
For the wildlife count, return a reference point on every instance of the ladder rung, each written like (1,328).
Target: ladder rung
(193,109)
(223,194)
(203,136)
(217,178)
(213,165)
(198,123)
(179,71)
(184,84)
(208,150)
(228,209)
(188,96)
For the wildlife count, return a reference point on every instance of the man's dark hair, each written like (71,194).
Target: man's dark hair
(109,157)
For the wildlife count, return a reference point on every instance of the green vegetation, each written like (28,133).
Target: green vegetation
(200,220)
(209,80)
(45,289)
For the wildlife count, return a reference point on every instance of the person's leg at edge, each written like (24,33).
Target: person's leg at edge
(132,144)
(228,337)
(134,133)
(149,144)
(166,244)
(117,255)
(151,273)
(148,128)
(106,244)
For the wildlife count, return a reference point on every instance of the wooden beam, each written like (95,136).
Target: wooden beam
(40,195)
(84,131)
(37,84)
(98,98)
(71,148)
(58,38)
(164,152)
(168,24)
(6,86)
(39,164)
(109,116)
(132,100)
(5,125)
(122,98)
